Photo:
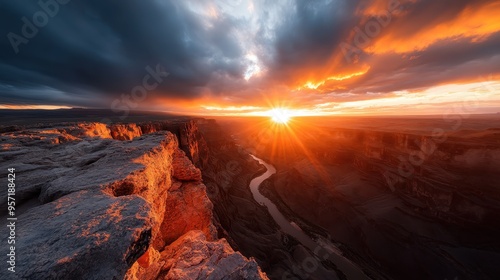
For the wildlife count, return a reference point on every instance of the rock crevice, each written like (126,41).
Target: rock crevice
(114,202)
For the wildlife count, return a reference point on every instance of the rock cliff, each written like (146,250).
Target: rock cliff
(98,201)
(405,205)
(445,176)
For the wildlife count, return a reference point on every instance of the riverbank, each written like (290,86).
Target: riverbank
(344,268)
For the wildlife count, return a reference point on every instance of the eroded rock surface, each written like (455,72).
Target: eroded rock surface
(184,170)
(189,209)
(96,200)
(84,235)
(193,257)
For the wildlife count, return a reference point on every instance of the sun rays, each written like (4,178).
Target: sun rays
(280,115)
(283,137)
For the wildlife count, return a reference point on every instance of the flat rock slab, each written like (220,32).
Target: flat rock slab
(50,171)
(84,235)
(193,257)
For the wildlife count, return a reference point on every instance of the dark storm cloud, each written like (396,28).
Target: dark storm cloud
(104,47)
(92,51)
(422,15)
(310,33)
(446,61)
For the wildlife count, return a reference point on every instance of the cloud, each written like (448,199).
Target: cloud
(421,44)
(104,47)
(246,52)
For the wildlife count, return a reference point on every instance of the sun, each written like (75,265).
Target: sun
(280,115)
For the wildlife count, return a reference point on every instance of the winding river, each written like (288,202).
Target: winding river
(351,270)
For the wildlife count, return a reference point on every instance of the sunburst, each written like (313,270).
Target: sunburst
(280,115)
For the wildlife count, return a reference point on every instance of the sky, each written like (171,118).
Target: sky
(215,57)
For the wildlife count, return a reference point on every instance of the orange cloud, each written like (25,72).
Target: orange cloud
(474,22)
(334,78)
(460,98)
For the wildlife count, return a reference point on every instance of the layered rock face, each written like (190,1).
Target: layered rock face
(449,174)
(246,224)
(96,201)
(405,205)
(193,257)
(447,177)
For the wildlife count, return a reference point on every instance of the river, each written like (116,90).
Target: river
(351,270)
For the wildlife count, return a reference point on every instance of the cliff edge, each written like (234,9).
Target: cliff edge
(96,201)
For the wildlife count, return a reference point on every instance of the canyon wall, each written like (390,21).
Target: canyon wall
(405,205)
(447,175)
(98,201)
(246,224)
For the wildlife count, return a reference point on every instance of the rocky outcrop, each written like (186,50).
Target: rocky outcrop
(87,130)
(184,170)
(83,235)
(188,209)
(125,131)
(190,140)
(99,200)
(192,256)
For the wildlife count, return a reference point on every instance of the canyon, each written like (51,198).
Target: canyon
(402,201)
(194,198)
